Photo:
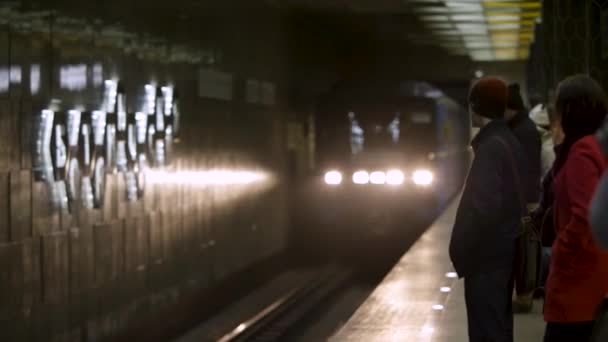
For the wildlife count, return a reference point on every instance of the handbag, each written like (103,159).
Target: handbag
(528,247)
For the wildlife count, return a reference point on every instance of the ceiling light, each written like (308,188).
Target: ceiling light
(453,32)
(507,44)
(468,17)
(482,55)
(505,53)
(477,45)
(468,6)
(440,25)
(512,34)
(512,15)
(432,9)
(512,4)
(435,18)
(514,20)
(471,26)
(499,27)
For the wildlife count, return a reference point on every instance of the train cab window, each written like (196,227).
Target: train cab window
(394,128)
(357,138)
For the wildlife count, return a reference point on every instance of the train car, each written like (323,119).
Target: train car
(386,155)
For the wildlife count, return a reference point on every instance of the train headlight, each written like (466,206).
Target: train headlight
(361,177)
(333,178)
(377,177)
(423,177)
(394,177)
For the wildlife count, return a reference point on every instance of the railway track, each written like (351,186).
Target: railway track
(275,321)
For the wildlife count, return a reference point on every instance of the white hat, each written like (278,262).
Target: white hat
(540,116)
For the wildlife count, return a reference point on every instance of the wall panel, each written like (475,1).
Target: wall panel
(72,273)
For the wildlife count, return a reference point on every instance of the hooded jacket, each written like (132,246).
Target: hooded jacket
(526,133)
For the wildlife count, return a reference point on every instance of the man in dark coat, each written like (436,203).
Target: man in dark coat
(482,246)
(526,133)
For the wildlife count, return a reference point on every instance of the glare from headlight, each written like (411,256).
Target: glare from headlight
(377,177)
(361,177)
(422,177)
(333,178)
(394,177)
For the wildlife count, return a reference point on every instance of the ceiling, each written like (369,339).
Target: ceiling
(485,30)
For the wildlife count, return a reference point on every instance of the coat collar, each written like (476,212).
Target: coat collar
(487,131)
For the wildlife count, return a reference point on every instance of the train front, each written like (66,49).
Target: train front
(384,180)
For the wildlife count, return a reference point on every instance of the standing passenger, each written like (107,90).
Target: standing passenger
(540,116)
(525,131)
(528,136)
(482,246)
(578,275)
(543,215)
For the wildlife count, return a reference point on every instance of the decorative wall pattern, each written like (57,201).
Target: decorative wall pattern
(83,272)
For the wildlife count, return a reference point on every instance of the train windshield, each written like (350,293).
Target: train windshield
(374,135)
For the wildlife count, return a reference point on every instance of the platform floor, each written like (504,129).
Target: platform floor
(421,300)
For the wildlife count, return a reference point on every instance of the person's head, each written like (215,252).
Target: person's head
(580,106)
(535,99)
(515,103)
(554,123)
(487,100)
(580,109)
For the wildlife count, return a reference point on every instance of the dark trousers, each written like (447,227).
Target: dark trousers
(489,311)
(568,332)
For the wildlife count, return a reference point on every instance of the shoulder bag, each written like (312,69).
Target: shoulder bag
(528,248)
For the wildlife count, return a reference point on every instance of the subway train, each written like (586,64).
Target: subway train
(388,156)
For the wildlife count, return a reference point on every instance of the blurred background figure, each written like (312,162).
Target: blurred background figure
(525,131)
(540,116)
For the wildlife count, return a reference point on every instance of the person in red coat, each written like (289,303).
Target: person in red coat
(578,274)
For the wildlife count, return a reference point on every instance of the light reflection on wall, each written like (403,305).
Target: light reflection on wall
(73,77)
(207,177)
(35,79)
(97,75)
(15,75)
(8,76)
(228,184)
(4,80)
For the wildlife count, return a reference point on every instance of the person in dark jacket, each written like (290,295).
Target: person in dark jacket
(482,245)
(526,133)
(528,136)
(598,214)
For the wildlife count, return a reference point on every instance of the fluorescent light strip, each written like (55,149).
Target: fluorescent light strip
(440,18)
(516,20)
(500,27)
(482,55)
(478,45)
(440,25)
(511,15)
(465,6)
(512,4)
(469,17)
(447,33)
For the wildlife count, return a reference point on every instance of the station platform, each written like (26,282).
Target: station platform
(421,298)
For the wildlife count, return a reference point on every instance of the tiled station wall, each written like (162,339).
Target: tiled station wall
(570,39)
(84,275)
